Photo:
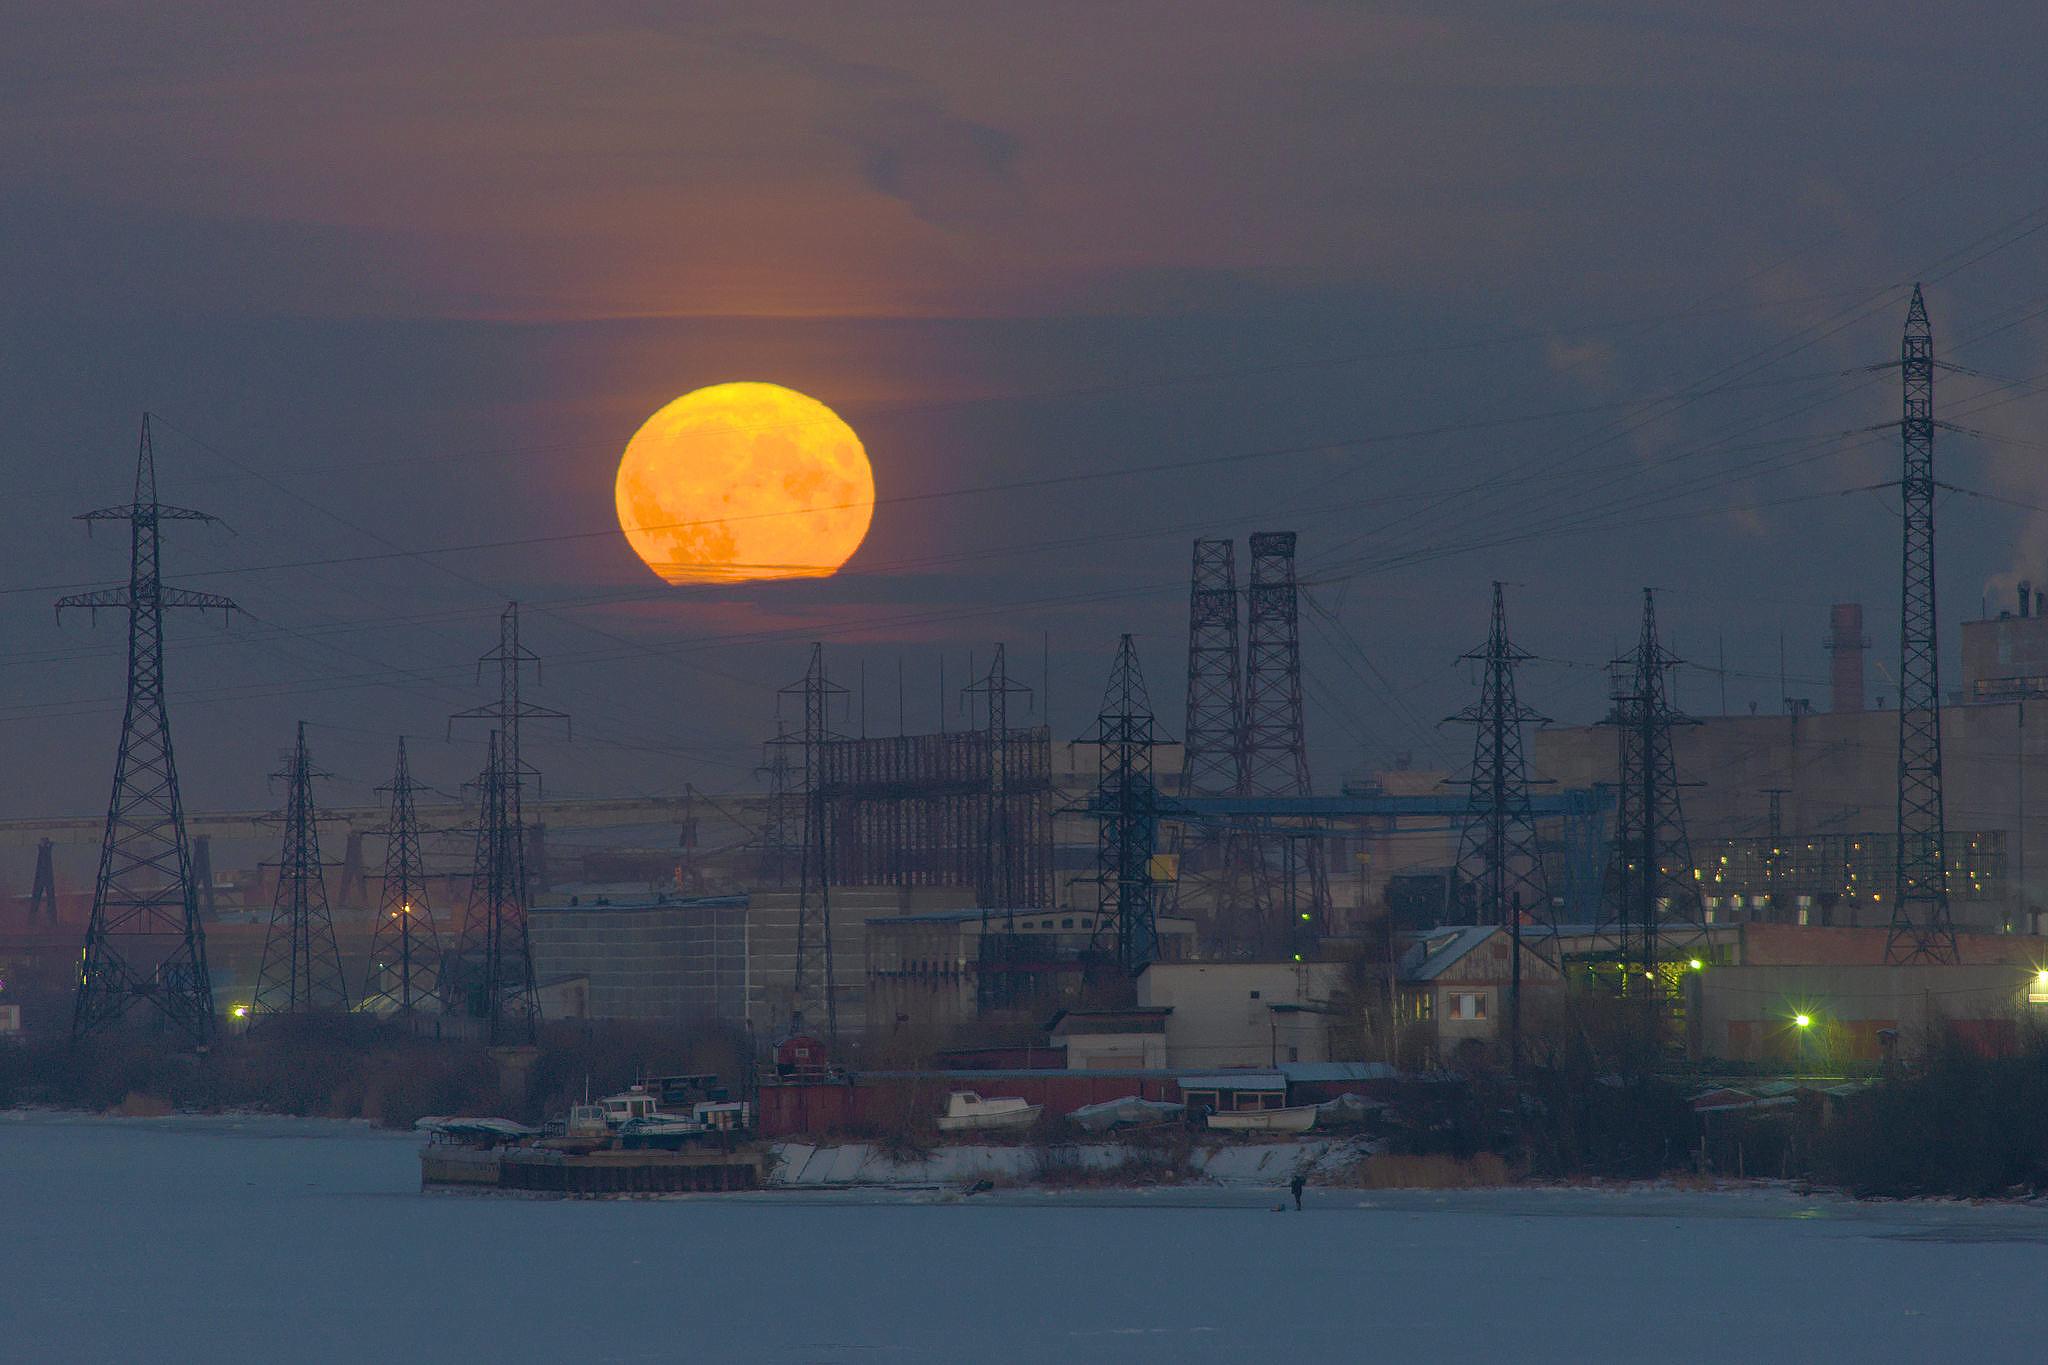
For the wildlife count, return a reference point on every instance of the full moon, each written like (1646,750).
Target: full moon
(745,481)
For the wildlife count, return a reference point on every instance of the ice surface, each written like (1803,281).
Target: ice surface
(279,1240)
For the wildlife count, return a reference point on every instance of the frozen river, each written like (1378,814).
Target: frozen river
(246,1240)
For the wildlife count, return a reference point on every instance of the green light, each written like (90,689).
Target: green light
(1297,957)
(1305,915)
(1803,1020)
(1697,965)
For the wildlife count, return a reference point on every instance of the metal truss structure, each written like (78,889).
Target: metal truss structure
(301,971)
(1500,863)
(495,960)
(1290,890)
(1001,879)
(1921,929)
(405,947)
(145,941)
(1653,901)
(1212,754)
(913,810)
(817,868)
(1126,816)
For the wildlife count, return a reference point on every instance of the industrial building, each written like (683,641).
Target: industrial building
(1791,816)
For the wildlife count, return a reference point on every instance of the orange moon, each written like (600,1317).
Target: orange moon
(745,481)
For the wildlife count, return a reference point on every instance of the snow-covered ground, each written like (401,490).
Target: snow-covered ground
(278,1240)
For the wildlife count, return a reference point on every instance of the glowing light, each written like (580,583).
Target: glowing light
(1802,1020)
(241,1011)
(745,481)
(1696,965)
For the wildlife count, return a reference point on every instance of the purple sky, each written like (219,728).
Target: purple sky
(1569,295)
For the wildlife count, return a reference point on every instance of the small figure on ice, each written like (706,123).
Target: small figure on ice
(1298,1184)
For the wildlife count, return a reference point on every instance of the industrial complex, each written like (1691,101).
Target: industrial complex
(1170,896)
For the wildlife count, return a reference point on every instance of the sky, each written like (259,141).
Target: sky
(1579,297)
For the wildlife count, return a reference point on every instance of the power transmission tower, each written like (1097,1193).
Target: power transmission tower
(301,971)
(782,816)
(1000,855)
(1212,758)
(814,877)
(42,897)
(1274,749)
(405,949)
(1498,854)
(496,959)
(144,941)
(1921,930)
(1654,900)
(1127,824)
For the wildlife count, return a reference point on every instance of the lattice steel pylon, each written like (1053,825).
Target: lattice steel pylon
(1212,756)
(1499,858)
(1273,750)
(814,876)
(999,879)
(145,941)
(1921,929)
(779,844)
(1653,901)
(405,947)
(301,971)
(496,960)
(1127,823)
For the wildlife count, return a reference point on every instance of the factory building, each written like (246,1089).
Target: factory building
(1791,816)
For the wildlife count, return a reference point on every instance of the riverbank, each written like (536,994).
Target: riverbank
(201,1238)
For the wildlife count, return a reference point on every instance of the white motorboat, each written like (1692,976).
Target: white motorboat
(1297,1118)
(966,1110)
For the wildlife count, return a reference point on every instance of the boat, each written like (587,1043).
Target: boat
(967,1110)
(1297,1118)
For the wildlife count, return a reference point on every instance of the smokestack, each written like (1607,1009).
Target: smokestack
(1846,644)
(2026,598)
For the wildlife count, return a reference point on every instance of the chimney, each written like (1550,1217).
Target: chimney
(2026,599)
(1846,644)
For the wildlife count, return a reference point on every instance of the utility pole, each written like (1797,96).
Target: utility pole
(1126,817)
(1921,930)
(145,941)
(301,971)
(405,948)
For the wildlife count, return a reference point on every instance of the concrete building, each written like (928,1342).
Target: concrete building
(1243,1013)
(929,972)
(1113,1040)
(1817,1017)
(666,961)
(1830,779)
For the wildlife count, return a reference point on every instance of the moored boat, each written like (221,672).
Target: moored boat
(967,1110)
(1297,1118)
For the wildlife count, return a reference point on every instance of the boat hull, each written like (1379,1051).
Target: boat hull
(1297,1119)
(1008,1118)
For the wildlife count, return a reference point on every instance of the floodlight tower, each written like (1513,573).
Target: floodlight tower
(145,942)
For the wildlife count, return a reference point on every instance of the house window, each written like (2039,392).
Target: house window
(1067,923)
(1467,1005)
